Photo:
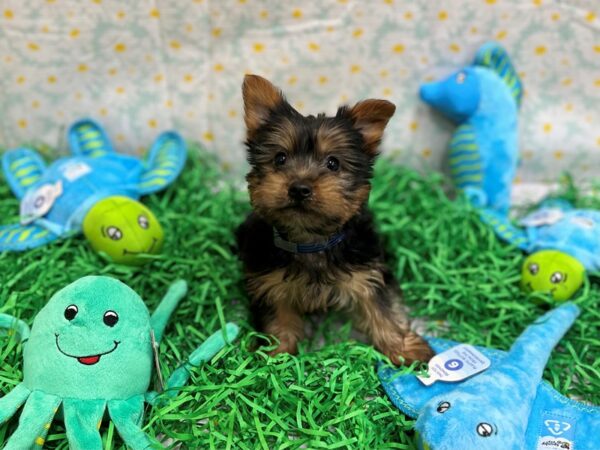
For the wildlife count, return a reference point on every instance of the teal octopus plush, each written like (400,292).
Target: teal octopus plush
(91,349)
(507,407)
(483,101)
(57,199)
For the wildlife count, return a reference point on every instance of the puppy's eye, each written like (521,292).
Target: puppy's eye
(556,277)
(534,268)
(71,312)
(443,407)
(333,164)
(110,318)
(280,159)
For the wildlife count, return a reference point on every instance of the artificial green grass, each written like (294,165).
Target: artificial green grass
(452,269)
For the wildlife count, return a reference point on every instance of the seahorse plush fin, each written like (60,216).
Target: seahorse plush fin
(493,56)
(505,229)
(23,167)
(165,163)
(88,138)
(23,237)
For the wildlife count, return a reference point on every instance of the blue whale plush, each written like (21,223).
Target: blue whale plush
(483,100)
(508,407)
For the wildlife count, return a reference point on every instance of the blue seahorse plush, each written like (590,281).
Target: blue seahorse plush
(483,100)
(508,406)
(56,199)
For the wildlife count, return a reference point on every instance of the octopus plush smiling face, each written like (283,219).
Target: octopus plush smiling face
(91,340)
(123,229)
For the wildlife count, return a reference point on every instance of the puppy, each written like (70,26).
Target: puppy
(310,243)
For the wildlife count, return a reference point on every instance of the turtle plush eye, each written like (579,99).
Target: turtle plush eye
(443,407)
(484,429)
(333,164)
(534,268)
(110,318)
(460,77)
(114,233)
(70,312)
(280,159)
(143,221)
(556,277)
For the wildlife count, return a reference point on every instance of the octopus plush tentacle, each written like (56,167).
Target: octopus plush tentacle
(167,305)
(127,417)
(34,422)
(209,348)
(13,401)
(23,167)
(82,422)
(87,138)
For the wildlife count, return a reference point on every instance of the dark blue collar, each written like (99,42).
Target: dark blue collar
(315,247)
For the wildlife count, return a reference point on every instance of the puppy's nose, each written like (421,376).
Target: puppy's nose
(299,191)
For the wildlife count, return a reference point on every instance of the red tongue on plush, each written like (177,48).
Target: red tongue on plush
(89,360)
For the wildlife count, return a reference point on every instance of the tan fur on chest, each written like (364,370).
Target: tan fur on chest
(342,290)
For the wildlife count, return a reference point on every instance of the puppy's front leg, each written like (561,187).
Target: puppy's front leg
(284,322)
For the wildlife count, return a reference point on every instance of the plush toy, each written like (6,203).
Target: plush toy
(96,189)
(563,243)
(483,100)
(507,407)
(91,348)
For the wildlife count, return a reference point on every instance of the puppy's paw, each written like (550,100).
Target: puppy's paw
(405,349)
(287,344)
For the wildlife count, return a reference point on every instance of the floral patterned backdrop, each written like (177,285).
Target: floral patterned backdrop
(179,64)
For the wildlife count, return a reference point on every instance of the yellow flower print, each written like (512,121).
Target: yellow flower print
(154,13)
(258,47)
(297,13)
(398,48)
(313,46)
(120,47)
(442,15)
(540,50)
(8,14)
(208,136)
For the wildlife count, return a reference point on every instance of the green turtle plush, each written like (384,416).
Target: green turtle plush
(91,349)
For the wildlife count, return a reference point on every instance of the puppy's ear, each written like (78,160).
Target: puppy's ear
(370,118)
(260,98)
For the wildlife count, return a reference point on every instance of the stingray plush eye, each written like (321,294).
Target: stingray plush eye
(443,407)
(143,221)
(114,233)
(333,164)
(556,277)
(110,318)
(280,159)
(484,429)
(39,201)
(460,78)
(71,312)
(534,268)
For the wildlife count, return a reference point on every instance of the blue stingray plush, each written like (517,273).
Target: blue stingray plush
(56,199)
(483,100)
(508,407)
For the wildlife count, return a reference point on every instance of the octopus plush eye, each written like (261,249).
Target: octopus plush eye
(114,233)
(557,277)
(484,429)
(143,221)
(71,312)
(110,318)
(460,77)
(534,268)
(443,407)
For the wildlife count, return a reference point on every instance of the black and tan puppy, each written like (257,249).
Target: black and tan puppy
(310,243)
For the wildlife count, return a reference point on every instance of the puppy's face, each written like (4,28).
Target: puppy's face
(309,174)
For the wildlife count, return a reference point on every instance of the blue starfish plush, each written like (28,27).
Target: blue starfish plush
(56,199)
(507,407)
(483,100)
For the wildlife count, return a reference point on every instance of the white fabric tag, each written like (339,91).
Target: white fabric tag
(38,202)
(545,216)
(75,169)
(455,364)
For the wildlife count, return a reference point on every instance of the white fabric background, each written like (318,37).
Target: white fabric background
(144,66)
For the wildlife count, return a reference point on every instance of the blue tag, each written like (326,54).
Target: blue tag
(556,432)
